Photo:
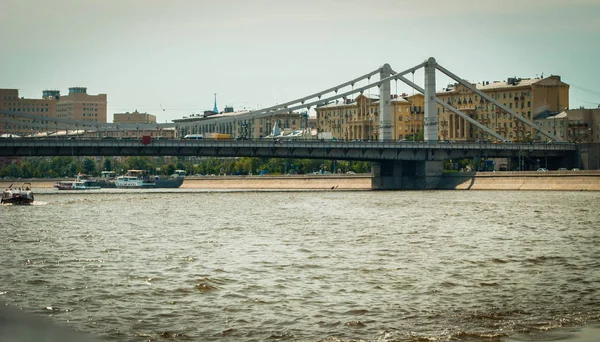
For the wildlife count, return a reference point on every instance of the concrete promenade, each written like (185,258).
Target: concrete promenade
(551,180)
(530,180)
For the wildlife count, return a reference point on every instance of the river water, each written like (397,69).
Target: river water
(306,266)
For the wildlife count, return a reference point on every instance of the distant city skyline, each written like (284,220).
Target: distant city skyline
(170,58)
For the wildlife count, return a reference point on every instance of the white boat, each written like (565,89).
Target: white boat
(82,182)
(76,185)
(18,195)
(139,179)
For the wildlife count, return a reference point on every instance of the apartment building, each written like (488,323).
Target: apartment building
(134,118)
(77,105)
(575,125)
(10,102)
(81,106)
(531,98)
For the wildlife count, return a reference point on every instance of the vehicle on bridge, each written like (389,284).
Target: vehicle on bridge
(18,195)
(218,136)
(193,137)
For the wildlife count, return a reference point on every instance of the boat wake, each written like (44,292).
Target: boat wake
(24,205)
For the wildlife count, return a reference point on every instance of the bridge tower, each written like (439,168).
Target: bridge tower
(408,174)
(385,106)
(430,119)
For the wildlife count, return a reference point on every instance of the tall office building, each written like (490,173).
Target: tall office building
(10,102)
(77,105)
(81,106)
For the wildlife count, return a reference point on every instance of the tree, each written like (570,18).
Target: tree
(138,163)
(89,165)
(244,166)
(107,164)
(170,169)
(61,165)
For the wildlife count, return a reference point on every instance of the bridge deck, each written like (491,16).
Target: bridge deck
(315,149)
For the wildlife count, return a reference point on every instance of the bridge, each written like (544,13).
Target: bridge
(395,165)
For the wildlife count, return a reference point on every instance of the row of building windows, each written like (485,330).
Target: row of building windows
(28,109)
(28,104)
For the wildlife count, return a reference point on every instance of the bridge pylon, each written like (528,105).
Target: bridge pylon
(430,118)
(385,106)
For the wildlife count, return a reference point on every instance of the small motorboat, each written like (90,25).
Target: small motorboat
(17,195)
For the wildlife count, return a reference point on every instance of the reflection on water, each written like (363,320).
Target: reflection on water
(306,266)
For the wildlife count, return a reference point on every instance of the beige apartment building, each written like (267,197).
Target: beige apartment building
(11,102)
(531,98)
(575,125)
(134,118)
(358,119)
(78,105)
(81,106)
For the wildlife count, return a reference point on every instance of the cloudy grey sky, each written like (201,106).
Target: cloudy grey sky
(256,53)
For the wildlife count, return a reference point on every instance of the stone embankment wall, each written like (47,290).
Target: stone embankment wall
(35,183)
(308,182)
(551,180)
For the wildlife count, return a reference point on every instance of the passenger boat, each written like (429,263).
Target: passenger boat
(76,185)
(18,195)
(82,182)
(140,179)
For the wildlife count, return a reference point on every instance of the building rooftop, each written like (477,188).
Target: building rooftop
(511,82)
(198,117)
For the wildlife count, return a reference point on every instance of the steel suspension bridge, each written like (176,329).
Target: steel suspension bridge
(395,165)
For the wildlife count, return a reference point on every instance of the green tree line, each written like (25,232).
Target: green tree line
(60,167)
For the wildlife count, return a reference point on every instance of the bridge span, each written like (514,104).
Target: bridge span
(310,149)
(395,165)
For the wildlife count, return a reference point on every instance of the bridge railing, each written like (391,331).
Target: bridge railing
(284,143)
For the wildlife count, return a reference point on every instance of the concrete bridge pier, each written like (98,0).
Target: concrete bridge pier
(406,174)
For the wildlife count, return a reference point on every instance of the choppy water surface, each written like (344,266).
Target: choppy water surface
(306,266)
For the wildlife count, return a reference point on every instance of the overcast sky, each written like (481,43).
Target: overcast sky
(168,58)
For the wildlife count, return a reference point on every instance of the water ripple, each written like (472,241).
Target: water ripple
(307,266)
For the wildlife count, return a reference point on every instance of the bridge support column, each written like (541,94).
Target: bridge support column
(406,175)
(386,175)
(429,174)
(588,156)
(385,106)
(430,119)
